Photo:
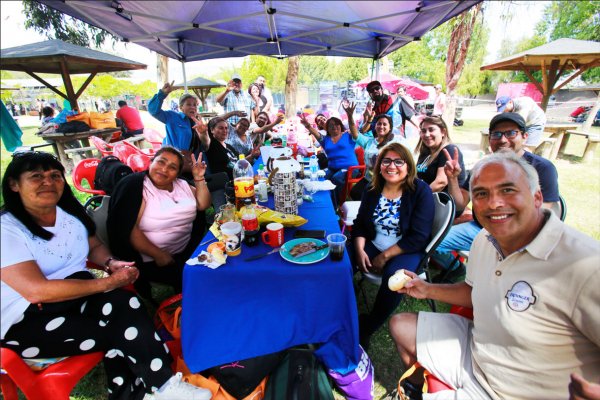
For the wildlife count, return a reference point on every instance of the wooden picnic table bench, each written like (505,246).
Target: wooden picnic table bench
(590,147)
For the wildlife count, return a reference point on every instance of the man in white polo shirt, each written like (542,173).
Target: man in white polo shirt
(532,282)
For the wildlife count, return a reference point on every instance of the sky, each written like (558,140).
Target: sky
(525,16)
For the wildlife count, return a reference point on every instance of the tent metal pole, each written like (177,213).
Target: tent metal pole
(185,86)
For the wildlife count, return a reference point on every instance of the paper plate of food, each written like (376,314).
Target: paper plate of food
(304,251)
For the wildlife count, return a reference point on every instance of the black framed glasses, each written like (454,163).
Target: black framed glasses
(371,90)
(398,162)
(497,135)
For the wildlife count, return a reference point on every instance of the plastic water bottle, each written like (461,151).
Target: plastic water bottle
(262,195)
(314,167)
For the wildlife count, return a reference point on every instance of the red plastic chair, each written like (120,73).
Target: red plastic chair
(139,162)
(54,382)
(360,155)
(85,170)
(122,150)
(350,181)
(153,137)
(106,149)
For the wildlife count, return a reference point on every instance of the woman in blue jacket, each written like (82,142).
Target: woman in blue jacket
(184,130)
(392,228)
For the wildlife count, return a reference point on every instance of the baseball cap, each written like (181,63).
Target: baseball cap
(373,84)
(509,116)
(236,76)
(501,103)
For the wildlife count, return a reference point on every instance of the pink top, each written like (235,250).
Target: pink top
(168,217)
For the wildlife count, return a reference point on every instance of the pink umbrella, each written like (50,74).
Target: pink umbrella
(387,81)
(415,90)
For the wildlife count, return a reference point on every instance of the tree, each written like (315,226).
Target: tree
(56,25)
(272,69)
(291,86)
(349,69)
(313,69)
(460,39)
(575,20)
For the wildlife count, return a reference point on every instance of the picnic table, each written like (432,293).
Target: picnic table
(559,132)
(58,141)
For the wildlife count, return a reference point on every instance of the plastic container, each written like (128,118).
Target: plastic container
(250,223)
(313,166)
(243,182)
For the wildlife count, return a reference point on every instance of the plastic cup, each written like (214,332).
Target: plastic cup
(337,244)
(232,236)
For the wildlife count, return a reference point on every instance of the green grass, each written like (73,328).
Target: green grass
(579,185)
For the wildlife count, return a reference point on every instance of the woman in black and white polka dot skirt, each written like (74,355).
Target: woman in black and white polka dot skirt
(51,306)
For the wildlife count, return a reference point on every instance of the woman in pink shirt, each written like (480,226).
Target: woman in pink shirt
(158,218)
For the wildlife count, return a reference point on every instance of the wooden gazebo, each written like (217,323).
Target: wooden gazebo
(553,59)
(58,57)
(201,87)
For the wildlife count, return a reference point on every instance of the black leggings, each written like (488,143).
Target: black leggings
(114,322)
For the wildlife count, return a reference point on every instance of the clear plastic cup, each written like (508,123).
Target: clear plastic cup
(337,244)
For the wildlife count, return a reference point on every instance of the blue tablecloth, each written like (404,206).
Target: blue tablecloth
(246,309)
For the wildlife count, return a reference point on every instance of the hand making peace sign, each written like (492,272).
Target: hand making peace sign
(198,167)
(168,87)
(452,167)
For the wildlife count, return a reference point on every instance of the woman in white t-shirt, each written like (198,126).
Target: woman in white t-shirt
(53,307)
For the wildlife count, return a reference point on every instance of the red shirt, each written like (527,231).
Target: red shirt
(130,117)
(384,106)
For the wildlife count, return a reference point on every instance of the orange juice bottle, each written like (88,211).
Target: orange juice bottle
(243,182)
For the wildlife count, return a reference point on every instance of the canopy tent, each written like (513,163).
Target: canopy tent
(201,87)
(58,57)
(553,60)
(392,83)
(200,30)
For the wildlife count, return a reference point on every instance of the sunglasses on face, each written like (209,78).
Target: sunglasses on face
(497,135)
(374,89)
(398,162)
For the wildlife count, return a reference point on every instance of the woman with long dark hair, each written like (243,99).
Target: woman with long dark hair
(434,137)
(53,307)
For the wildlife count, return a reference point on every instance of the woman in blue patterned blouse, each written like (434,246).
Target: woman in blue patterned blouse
(392,228)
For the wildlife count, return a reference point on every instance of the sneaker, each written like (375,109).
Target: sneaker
(176,389)
(412,391)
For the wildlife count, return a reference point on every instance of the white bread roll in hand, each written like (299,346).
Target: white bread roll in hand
(398,280)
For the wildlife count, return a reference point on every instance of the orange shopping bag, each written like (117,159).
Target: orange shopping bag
(82,116)
(102,120)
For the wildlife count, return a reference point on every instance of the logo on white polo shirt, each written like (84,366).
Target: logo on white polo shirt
(520,296)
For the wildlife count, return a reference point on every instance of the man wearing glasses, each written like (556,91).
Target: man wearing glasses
(507,133)
(400,110)
(235,99)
